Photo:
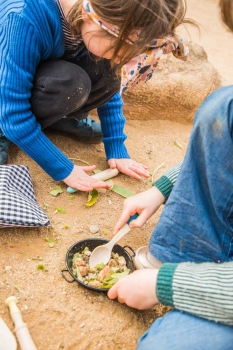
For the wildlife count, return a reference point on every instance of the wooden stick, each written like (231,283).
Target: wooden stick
(21,329)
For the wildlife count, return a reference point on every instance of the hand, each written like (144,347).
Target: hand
(129,167)
(81,181)
(145,204)
(137,290)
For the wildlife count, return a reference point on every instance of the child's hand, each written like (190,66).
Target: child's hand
(137,290)
(145,204)
(129,167)
(81,181)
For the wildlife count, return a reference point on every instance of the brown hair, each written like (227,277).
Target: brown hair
(226,7)
(154,19)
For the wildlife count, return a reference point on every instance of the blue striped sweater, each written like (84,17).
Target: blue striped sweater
(31,31)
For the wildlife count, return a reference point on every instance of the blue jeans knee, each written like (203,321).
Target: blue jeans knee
(180,331)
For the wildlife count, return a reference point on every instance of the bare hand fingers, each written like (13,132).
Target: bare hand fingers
(140,221)
(112,293)
(140,165)
(99,184)
(134,171)
(123,219)
(88,186)
(112,163)
(139,169)
(88,168)
(129,172)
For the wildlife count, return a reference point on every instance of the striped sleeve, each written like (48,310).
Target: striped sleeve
(204,290)
(166,182)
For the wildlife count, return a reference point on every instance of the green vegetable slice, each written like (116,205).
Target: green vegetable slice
(56,191)
(124,192)
(111,279)
(92,198)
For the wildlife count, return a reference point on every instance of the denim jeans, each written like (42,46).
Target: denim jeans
(197,222)
(180,331)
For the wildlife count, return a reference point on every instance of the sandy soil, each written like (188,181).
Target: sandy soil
(67,316)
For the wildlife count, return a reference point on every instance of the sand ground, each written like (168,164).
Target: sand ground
(67,316)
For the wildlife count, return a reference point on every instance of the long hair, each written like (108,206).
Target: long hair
(226,7)
(153,19)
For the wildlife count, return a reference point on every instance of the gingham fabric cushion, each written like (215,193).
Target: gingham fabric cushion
(18,205)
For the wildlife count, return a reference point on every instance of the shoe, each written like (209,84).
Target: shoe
(86,130)
(4,147)
(144,260)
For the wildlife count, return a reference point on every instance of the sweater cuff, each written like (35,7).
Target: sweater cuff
(164,185)
(164,290)
(115,148)
(112,124)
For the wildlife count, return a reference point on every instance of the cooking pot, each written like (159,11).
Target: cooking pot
(92,243)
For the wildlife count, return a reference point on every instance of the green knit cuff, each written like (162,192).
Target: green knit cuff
(164,185)
(164,290)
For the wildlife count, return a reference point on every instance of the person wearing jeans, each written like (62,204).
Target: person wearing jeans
(189,262)
(201,202)
(189,265)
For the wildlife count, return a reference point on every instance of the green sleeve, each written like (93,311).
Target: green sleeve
(166,182)
(204,290)
(164,290)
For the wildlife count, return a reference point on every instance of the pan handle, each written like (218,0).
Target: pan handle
(62,273)
(127,246)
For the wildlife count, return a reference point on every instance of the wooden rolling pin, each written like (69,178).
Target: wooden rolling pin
(21,329)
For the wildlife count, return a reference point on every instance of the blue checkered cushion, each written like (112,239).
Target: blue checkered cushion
(18,205)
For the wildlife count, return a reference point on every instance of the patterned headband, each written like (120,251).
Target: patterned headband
(114,30)
(140,69)
(110,28)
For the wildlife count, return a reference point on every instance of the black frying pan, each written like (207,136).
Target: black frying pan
(92,243)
